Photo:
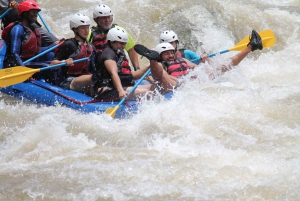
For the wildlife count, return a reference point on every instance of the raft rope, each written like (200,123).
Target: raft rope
(35,82)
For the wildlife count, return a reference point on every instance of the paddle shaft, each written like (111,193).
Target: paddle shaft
(15,75)
(267,37)
(41,54)
(5,12)
(44,22)
(112,111)
(135,86)
(211,55)
(62,64)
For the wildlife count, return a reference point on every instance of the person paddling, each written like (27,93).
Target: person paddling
(22,39)
(78,76)
(114,79)
(46,37)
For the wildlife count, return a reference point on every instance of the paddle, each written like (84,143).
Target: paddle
(112,111)
(18,74)
(44,22)
(42,53)
(267,37)
(5,12)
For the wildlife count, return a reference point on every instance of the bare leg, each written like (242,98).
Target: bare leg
(82,84)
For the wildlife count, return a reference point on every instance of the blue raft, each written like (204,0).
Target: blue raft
(41,92)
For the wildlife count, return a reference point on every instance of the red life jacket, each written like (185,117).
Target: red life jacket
(99,39)
(124,71)
(177,67)
(81,68)
(31,41)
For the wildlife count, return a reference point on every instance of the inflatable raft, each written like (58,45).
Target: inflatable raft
(41,92)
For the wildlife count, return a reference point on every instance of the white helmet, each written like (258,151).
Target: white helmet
(102,10)
(117,34)
(78,20)
(168,36)
(163,47)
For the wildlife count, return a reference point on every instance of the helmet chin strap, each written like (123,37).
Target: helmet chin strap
(117,51)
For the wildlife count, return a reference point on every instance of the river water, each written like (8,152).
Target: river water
(232,138)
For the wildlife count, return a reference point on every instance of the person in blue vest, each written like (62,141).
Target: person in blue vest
(171,37)
(103,16)
(166,81)
(12,16)
(76,76)
(22,39)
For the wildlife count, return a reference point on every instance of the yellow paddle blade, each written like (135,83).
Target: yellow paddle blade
(15,75)
(112,111)
(267,37)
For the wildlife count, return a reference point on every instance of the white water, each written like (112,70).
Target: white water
(233,138)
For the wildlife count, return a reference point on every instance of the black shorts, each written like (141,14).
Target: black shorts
(109,95)
(66,83)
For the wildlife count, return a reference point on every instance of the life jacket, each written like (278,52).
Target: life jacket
(80,51)
(124,72)
(2,52)
(177,67)
(98,38)
(31,42)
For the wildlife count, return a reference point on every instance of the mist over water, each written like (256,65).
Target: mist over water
(232,138)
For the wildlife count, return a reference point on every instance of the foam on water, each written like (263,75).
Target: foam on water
(234,137)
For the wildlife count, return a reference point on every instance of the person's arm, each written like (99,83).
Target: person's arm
(13,5)
(134,58)
(112,68)
(195,58)
(63,54)
(190,64)
(139,73)
(16,36)
(69,62)
(192,56)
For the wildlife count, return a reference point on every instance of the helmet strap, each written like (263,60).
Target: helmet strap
(117,51)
